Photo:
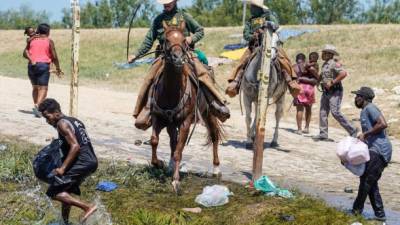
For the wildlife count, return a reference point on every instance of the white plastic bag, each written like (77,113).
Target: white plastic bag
(343,147)
(357,170)
(358,153)
(215,195)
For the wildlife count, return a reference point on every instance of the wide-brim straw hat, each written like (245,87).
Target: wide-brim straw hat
(258,3)
(330,49)
(163,2)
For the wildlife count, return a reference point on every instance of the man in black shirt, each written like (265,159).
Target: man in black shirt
(79,159)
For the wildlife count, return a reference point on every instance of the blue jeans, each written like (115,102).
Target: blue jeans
(39,74)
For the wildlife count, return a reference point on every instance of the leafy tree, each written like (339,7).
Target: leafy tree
(382,11)
(19,19)
(333,11)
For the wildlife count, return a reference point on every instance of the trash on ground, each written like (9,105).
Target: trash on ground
(215,195)
(357,223)
(138,142)
(348,190)
(106,186)
(192,210)
(288,218)
(264,184)
(217,61)
(3,147)
(183,168)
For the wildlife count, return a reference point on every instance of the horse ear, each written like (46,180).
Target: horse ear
(182,26)
(165,25)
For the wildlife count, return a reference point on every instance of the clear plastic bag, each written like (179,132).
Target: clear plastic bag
(215,195)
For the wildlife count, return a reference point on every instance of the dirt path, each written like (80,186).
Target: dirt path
(299,162)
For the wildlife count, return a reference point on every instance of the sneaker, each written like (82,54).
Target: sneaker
(322,138)
(380,218)
(298,132)
(36,112)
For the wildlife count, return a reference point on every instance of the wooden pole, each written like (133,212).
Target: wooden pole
(73,101)
(262,105)
(244,17)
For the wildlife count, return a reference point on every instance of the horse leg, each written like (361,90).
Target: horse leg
(278,116)
(177,157)
(214,135)
(173,140)
(154,144)
(248,106)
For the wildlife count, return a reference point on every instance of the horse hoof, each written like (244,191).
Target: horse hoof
(249,146)
(274,145)
(159,164)
(217,172)
(176,186)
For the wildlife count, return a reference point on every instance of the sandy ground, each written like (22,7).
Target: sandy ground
(298,163)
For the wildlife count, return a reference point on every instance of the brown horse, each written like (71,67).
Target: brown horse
(177,102)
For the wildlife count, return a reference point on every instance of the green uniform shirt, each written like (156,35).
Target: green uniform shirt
(330,70)
(174,18)
(256,22)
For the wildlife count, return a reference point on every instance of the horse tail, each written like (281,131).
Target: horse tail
(215,129)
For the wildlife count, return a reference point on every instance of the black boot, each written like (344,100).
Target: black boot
(220,111)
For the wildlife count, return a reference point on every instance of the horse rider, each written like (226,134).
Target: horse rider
(194,33)
(260,15)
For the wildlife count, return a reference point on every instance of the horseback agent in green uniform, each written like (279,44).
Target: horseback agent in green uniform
(193,32)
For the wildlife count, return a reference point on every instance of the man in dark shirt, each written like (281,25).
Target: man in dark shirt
(79,159)
(380,149)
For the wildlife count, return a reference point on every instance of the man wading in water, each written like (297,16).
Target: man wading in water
(79,159)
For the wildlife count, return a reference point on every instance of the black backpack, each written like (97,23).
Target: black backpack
(46,160)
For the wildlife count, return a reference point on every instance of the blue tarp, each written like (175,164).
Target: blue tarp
(284,34)
(139,62)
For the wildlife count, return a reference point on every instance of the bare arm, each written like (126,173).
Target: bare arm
(25,54)
(378,127)
(66,131)
(54,55)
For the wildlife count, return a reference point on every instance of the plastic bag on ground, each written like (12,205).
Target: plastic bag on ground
(215,195)
(264,184)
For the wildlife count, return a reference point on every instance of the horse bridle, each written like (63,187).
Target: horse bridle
(168,49)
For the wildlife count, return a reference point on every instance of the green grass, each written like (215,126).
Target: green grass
(145,197)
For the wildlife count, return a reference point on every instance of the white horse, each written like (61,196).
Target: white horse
(276,93)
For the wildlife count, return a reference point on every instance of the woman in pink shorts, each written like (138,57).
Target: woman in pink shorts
(308,76)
